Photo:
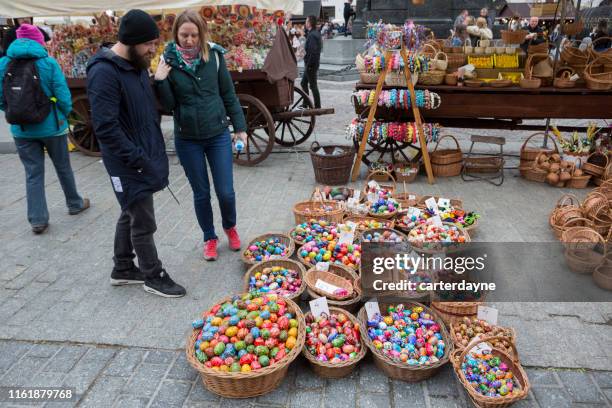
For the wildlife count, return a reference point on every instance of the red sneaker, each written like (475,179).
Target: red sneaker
(210,250)
(234,239)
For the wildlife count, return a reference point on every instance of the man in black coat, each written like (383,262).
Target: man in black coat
(11,35)
(125,119)
(313,47)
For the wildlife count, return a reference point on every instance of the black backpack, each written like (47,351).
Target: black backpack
(26,102)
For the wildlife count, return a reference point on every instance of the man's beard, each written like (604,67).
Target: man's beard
(138,61)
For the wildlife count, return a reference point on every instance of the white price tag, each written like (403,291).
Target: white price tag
(436,220)
(480,348)
(411,197)
(356,194)
(326,286)
(432,205)
(443,203)
(117,184)
(372,308)
(413,211)
(488,314)
(347,237)
(319,306)
(372,184)
(322,266)
(372,197)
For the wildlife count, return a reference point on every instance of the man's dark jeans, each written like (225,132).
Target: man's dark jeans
(310,79)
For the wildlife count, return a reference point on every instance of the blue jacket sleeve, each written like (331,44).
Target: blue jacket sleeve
(104,91)
(60,88)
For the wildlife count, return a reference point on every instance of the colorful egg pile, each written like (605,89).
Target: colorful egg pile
(409,222)
(434,233)
(275,279)
(266,249)
(469,328)
(371,223)
(382,236)
(380,191)
(321,251)
(246,334)
(489,375)
(384,206)
(454,216)
(332,339)
(315,231)
(409,335)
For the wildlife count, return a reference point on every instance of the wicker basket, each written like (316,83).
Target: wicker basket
(454,202)
(400,234)
(458,308)
(326,369)
(513,37)
(594,203)
(313,275)
(449,318)
(514,365)
(561,226)
(332,169)
(596,164)
(359,220)
(446,162)
(564,81)
(395,79)
(284,263)
(439,63)
(507,333)
(380,176)
(403,177)
(398,370)
(535,173)
(538,49)
(433,77)
(388,177)
(351,304)
(529,82)
(450,79)
(574,56)
(603,277)
(436,247)
(368,77)
(312,209)
(456,60)
(283,238)
(530,154)
(250,384)
(607,53)
(597,82)
(574,28)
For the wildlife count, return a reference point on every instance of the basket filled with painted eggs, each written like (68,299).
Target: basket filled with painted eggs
(492,377)
(454,202)
(317,251)
(409,342)
(373,188)
(243,346)
(464,331)
(328,210)
(384,208)
(335,193)
(328,284)
(382,235)
(314,230)
(333,345)
(268,247)
(365,223)
(351,303)
(282,277)
(408,222)
(457,303)
(431,238)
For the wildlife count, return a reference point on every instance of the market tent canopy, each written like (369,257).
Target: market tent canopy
(35,8)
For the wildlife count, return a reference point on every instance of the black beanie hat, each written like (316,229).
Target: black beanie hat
(137,27)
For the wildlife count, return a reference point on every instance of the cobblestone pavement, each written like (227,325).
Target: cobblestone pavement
(62,323)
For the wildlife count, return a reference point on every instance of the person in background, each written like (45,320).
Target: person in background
(536,34)
(295,41)
(480,31)
(11,35)
(193,82)
(484,13)
(461,18)
(460,35)
(515,23)
(51,133)
(347,13)
(601,32)
(125,121)
(313,48)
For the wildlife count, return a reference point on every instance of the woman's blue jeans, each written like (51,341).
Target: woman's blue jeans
(193,155)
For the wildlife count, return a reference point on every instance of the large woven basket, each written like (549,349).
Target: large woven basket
(607,53)
(432,77)
(438,247)
(361,220)
(351,304)
(400,234)
(368,77)
(313,275)
(578,181)
(458,308)
(396,369)
(313,209)
(283,238)
(446,162)
(529,154)
(595,202)
(454,202)
(372,175)
(603,277)
(581,249)
(597,81)
(514,365)
(573,55)
(284,263)
(450,318)
(250,384)
(326,369)
(538,49)
(596,164)
(332,169)
(507,333)
(513,37)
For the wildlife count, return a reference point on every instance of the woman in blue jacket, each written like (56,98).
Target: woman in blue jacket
(32,139)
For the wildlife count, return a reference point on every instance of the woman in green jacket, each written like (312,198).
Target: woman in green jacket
(193,82)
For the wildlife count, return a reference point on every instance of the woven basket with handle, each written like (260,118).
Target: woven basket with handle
(513,37)
(598,81)
(313,275)
(602,276)
(392,188)
(283,263)
(507,333)
(282,238)
(253,383)
(402,371)
(578,181)
(364,223)
(596,164)
(446,162)
(582,249)
(595,202)
(514,365)
(530,153)
(319,209)
(326,369)
(350,304)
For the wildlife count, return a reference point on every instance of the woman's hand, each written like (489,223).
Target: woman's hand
(242,136)
(163,69)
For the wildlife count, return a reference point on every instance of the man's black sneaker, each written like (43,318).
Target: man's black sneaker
(164,286)
(129,277)
(39,229)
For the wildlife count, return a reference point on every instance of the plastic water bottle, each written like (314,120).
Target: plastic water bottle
(239,145)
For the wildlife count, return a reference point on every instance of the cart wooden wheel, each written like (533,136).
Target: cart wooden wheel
(81,129)
(260,132)
(293,131)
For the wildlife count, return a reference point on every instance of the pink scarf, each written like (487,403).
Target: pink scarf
(189,55)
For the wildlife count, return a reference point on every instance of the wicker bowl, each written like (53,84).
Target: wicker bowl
(283,263)
(431,248)
(250,384)
(400,371)
(507,332)
(351,304)
(306,210)
(362,222)
(473,83)
(326,369)
(283,238)
(603,277)
(312,276)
